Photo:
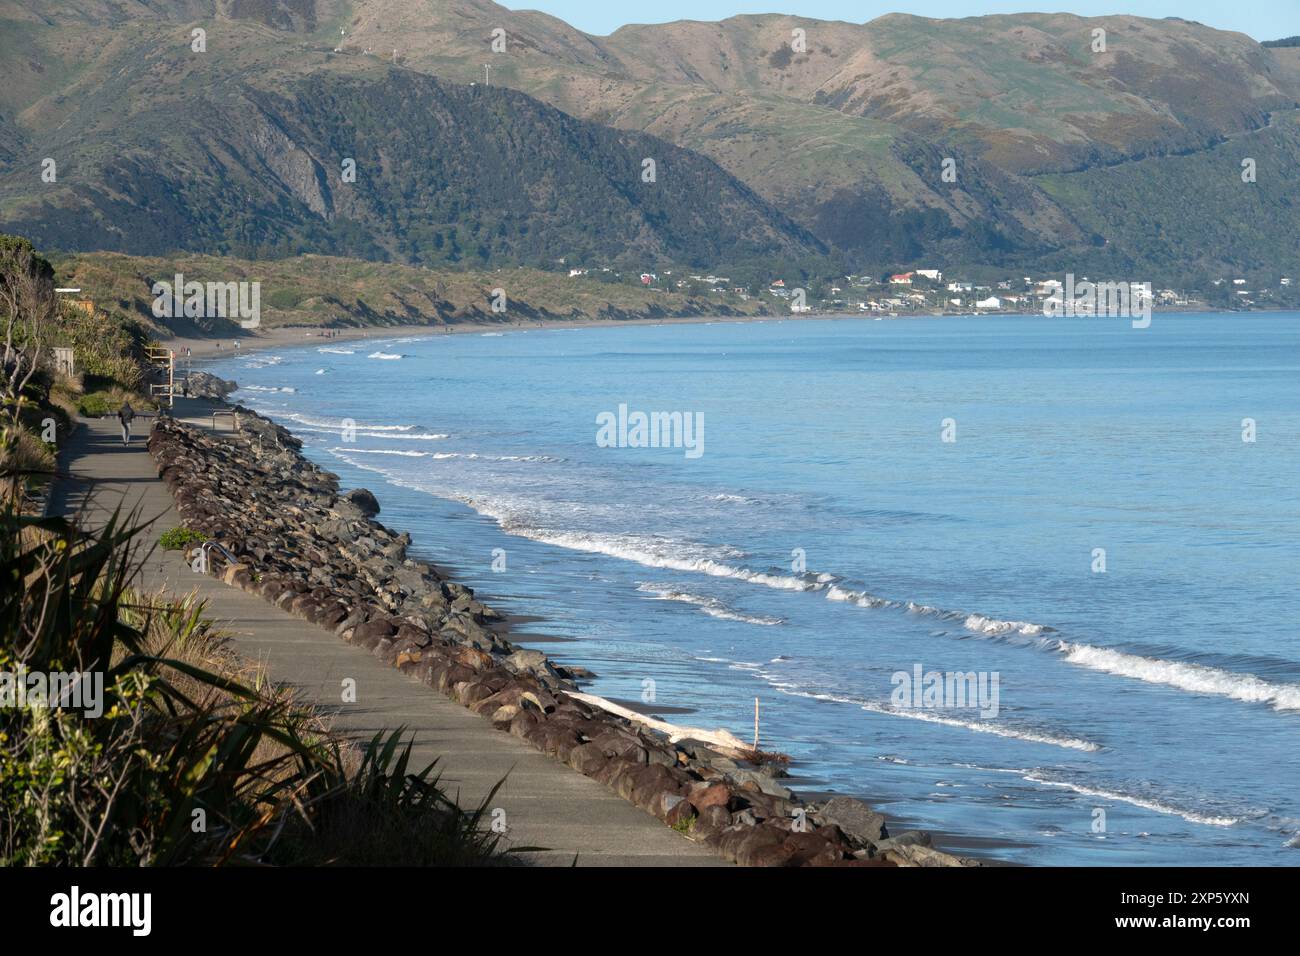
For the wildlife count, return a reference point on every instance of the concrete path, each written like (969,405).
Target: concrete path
(546,803)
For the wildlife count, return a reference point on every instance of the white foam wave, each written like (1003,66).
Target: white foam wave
(989,625)
(386,356)
(305,423)
(380,451)
(1194,678)
(999,729)
(263,361)
(334,351)
(678,556)
(338,423)
(734,499)
(1145,802)
(709,605)
(860,598)
(655,553)
(475,456)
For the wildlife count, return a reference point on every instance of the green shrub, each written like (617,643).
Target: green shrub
(99,404)
(96,404)
(284,299)
(178,539)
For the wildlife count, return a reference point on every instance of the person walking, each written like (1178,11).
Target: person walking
(124,415)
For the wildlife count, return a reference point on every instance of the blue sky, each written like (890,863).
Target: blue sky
(1261,19)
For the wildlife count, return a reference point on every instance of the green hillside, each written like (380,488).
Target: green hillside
(1062,153)
(245,150)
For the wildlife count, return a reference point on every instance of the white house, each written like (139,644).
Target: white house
(992,302)
(934,275)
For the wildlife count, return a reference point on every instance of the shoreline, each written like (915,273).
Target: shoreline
(207,348)
(303,337)
(704,783)
(514,626)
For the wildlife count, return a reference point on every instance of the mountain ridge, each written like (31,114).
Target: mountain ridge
(848,137)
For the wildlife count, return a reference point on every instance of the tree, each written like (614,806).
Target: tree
(28,309)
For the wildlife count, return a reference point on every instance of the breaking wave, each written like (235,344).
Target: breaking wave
(676,555)
(709,605)
(999,728)
(1193,678)
(1145,803)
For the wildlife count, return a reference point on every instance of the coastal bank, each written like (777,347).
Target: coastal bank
(277,526)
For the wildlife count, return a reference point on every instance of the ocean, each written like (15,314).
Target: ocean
(1095,528)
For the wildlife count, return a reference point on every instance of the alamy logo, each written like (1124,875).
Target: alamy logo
(956,690)
(69,690)
(134,910)
(211,300)
(651,430)
(1130,300)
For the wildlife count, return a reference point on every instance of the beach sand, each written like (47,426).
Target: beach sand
(291,336)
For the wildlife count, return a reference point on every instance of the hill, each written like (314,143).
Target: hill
(248,149)
(835,135)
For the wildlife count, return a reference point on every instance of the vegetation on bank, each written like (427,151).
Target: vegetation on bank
(39,399)
(325,291)
(129,734)
(171,750)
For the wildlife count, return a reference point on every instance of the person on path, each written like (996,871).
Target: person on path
(124,415)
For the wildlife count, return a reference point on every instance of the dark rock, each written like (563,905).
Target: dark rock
(207,385)
(858,821)
(372,632)
(364,501)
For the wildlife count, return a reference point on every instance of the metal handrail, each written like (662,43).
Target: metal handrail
(213,543)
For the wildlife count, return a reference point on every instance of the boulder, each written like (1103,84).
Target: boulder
(710,795)
(857,820)
(207,385)
(364,501)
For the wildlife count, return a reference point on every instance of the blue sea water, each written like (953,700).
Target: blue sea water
(828,538)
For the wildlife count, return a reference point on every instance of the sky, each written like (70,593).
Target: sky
(1261,19)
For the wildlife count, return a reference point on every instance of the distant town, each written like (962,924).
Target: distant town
(930,292)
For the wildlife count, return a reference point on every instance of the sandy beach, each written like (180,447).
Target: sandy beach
(287,336)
